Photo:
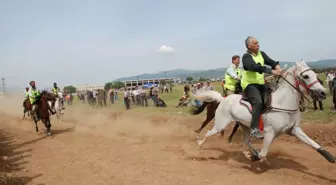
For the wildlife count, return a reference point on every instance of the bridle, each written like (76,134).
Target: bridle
(299,82)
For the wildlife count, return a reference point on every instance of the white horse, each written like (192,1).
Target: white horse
(283,117)
(58,106)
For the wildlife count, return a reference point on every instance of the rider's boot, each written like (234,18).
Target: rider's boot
(255,132)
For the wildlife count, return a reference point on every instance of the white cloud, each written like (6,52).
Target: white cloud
(166,49)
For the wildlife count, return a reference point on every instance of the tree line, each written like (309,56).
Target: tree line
(119,84)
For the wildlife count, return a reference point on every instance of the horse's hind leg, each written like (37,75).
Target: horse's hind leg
(298,132)
(253,154)
(210,115)
(235,128)
(221,122)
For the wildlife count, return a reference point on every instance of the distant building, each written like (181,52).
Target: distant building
(90,87)
(134,83)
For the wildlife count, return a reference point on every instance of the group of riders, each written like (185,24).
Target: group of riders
(33,95)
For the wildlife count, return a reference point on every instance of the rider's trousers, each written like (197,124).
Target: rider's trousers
(255,93)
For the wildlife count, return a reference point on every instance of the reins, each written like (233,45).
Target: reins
(296,87)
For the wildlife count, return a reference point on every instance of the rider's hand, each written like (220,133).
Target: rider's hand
(276,72)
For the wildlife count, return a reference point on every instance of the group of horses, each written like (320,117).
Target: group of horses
(281,114)
(43,102)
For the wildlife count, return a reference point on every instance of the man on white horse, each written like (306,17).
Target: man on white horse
(55,91)
(253,82)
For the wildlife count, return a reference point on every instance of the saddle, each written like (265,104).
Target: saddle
(267,100)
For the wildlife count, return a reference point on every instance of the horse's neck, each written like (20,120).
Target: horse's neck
(285,96)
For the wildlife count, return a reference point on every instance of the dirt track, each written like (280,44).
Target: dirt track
(95,148)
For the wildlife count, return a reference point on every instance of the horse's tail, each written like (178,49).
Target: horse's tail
(208,96)
(198,110)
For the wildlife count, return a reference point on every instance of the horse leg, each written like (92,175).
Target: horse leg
(210,115)
(221,122)
(298,132)
(268,139)
(24,113)
(48,127)
(35,121)
(235,128)
(253,154)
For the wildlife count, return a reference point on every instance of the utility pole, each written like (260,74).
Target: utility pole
(3,85)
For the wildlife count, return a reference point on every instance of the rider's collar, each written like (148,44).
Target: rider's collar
(251,53)
(234,65)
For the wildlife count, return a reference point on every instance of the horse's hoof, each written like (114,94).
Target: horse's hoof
(200,143)
(250,156)
(49,133)
(265,161)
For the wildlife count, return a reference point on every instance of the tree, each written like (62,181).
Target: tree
(189,79)
(108,85)
(201,79)
(70,89)
(118,84)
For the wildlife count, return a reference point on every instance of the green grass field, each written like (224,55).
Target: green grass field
(171,99)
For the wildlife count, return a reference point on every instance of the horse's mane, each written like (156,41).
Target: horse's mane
(44,92)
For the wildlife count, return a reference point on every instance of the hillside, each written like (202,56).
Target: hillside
(216,73)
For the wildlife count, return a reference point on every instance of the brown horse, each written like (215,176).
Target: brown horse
(27,108)
(211,111)
(42,111)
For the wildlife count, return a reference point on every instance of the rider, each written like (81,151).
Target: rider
(253,82)
(27,93)
(232,76)
(34,93)
(55,91)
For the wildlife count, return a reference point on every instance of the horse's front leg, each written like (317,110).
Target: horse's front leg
(47,125)
(298,132)
(268,139)
(24,113)
(35,121)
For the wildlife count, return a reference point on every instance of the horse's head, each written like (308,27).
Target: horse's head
(48,96)
(307,81)
(59,95)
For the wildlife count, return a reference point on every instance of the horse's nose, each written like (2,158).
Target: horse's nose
(322,95)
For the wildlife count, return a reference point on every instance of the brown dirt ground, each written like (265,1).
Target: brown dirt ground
(105,147)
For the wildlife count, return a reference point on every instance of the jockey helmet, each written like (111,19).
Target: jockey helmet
(55,84)
(32,83)
(27,88)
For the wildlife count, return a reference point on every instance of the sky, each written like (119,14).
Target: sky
(95,41)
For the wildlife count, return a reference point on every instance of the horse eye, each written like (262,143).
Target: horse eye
(305,76)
